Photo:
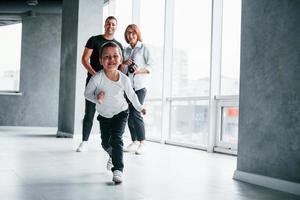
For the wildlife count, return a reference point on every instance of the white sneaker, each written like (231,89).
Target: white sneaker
(141,149)
(109,164)
(82,147)
(117,176)
(131,148)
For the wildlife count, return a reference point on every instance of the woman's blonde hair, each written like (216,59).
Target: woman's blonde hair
(136,29)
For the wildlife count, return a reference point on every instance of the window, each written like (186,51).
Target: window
(153,37)
(10,57)
(228,110)
(190,72)
(105,13)
(191,48)
(122,10)
(153,120)
(183,108)
(230,63)
(228,117)
(229,120)
(189,122)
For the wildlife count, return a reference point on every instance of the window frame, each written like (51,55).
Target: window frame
(224,101)
(216,100)
(16,92)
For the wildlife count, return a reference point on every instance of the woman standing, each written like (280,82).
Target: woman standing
(136,65)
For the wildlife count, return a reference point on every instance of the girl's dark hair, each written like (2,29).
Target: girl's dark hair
(109,44)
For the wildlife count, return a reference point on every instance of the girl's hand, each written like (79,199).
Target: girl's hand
(143,111)
(100,97)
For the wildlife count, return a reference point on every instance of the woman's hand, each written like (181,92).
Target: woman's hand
(140,70)
(128,62)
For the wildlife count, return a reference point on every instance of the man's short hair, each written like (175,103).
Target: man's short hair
(110,18)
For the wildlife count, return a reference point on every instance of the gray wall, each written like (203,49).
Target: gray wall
(82,20)
(269,126)
(68,66)
(39,79)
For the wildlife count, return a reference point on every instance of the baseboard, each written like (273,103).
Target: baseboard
(61,134)
(268,182)
(28,129)
(225,151)
(191,146)
(36,129)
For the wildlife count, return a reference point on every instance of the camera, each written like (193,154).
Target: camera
(131,67)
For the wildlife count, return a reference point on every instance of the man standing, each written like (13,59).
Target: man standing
(90,60)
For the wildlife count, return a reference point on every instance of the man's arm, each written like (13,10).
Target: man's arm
(85,60)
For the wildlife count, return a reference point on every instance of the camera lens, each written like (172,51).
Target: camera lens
(131,68)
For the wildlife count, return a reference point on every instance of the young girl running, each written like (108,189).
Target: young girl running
(106,89)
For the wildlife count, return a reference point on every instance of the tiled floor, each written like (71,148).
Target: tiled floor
(38,166)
